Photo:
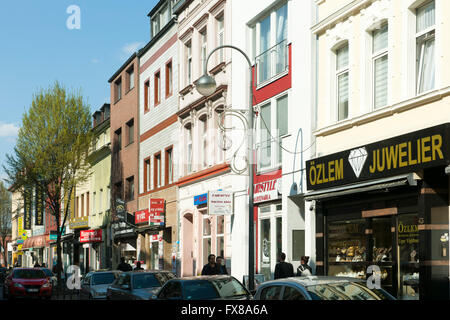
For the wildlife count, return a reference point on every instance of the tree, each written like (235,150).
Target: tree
(52,145)
(5,220)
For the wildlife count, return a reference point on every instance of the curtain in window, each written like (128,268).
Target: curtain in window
(426,16)
(264,60)
(342,58)
(380,39)
(343,96)
(428,67)
(381,81)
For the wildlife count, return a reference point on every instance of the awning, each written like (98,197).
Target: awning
(373,185)
(35,242)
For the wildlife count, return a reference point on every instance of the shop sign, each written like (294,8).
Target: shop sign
(141,216)
(39,208)
(90,236)
(266,191)
(399,155)
(27,211)
(78,223)
(220,202)
(201,199)
(157,210)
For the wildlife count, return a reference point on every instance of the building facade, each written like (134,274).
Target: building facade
(378,183)
(159,143)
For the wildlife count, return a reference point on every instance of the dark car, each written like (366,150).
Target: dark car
(218,287)
(27,282)
(138,285)
(319,288)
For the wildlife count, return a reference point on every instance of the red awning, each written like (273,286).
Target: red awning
(34,242)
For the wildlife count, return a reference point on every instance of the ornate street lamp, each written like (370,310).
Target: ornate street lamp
(206,86)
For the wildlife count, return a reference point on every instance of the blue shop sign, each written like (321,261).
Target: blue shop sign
(201,199)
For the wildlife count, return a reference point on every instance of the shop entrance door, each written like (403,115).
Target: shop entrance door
(265,249)
(382,251)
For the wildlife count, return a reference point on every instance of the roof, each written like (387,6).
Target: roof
(156,7)
(156,37)
(122,67)
(314,280)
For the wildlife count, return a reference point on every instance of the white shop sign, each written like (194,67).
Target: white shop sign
(267,191)
(220,202)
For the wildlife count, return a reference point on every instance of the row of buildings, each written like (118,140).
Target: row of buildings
(351,101)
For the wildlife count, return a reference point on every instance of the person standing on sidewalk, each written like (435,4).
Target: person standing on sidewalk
(123,266)
(283,269)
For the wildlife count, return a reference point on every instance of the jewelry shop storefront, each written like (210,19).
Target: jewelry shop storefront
(383,209)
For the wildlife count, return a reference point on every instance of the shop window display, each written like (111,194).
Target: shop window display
(408,242)
(382,250)
(347,254)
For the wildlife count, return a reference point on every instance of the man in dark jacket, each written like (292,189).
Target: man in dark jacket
(123,266)
(210,268)
(283,269)
(222,269)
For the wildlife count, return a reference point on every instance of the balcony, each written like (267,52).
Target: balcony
(272,63)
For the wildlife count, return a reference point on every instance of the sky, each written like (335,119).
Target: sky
(40,43)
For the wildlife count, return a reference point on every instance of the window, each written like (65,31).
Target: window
(188,49)
(130,74)
(93,202)
(220,225)
(169,79)
(118,190)
(282,123)
(130,189)
(206,238)
(380,66)
(271,293)
(189,150)
(146,174)
(204,140)
(82,205)
(270,44)
(130,129)
(87,203)
(146,95)
(169,166)
(77,207)
(157,88)
(290,293)
(203,49)
(220,37)
(265,139)
(157,172)
(118,89)
(171,291)
(108,199)
(425,36)
(118,139)
(342,74)
(100,206)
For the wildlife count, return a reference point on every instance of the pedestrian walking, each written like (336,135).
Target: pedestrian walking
(123,266)
(222,268)
(283,269)
(304,269)
(211,267)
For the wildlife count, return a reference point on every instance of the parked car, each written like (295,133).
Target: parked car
(27,282)
(50,276)
(95,284)
(138,285)
(319,288)
(218,287)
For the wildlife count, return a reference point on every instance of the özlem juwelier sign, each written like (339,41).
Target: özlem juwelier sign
(399,155)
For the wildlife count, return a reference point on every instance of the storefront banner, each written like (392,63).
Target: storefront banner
(27,212)
(20,226)
(266,191)
(201,199)
(87,236)
(39,206)
(157,210)
(78,223)
(399,155)
(141,216)
(220,202)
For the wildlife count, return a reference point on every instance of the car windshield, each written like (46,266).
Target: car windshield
(229,287)
(29,274)
(345,291)
(48,272)
(103,278)
(146,280)
(200,290)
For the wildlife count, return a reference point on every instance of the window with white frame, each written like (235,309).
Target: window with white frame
(425,41)
(188,50)
(220,231)
(342,82)
(220,37)
(203,48)
(273,124)
(189,151)
(93,203)
(207,239)
(270,44)
(100,200)
(380,66)
(204,139)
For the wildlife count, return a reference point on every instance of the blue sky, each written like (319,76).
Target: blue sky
(37,48)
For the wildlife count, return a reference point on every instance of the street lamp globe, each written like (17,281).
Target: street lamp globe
(206,85)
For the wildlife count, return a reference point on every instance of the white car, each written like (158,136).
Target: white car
(95,284)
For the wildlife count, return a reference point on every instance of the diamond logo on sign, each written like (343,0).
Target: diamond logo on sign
(357,158)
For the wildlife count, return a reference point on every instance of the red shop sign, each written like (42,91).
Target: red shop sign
(90,236)
(156,206)
(141,216)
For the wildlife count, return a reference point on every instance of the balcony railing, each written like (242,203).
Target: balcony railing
(272,62)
